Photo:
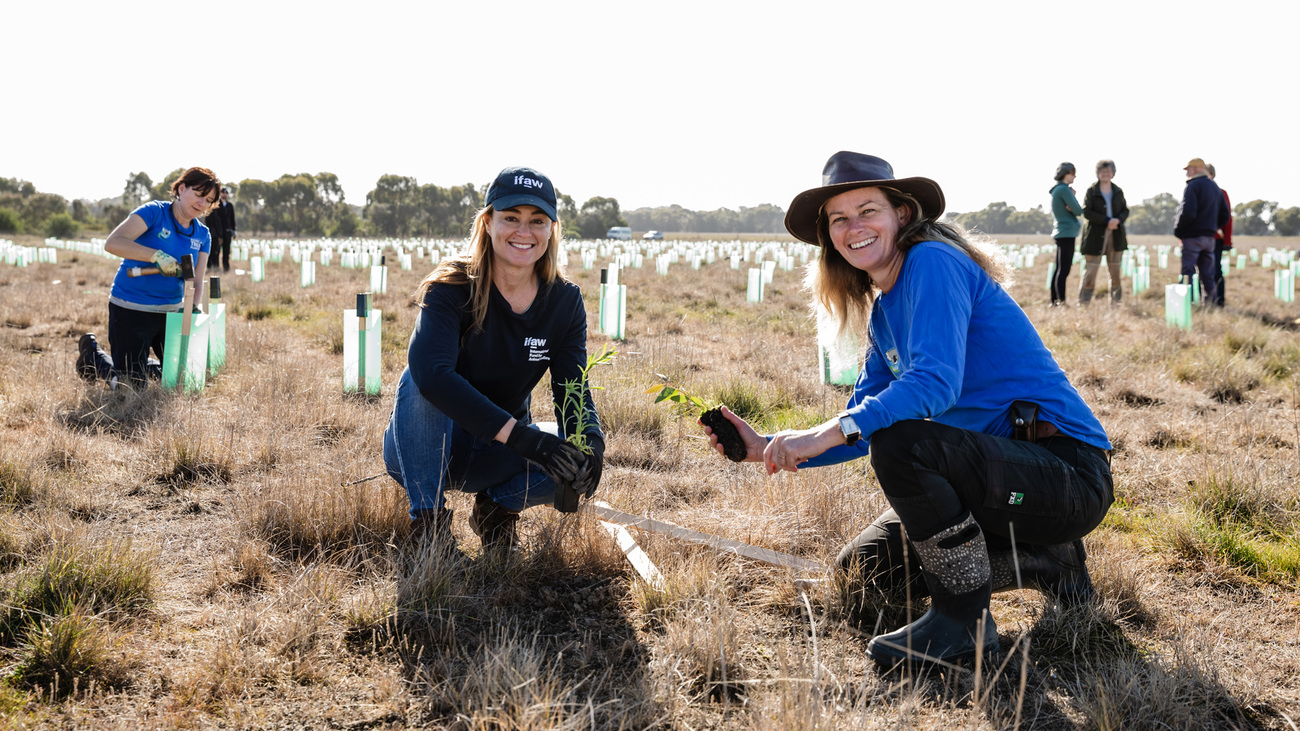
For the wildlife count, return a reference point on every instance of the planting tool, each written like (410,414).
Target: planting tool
(187,269)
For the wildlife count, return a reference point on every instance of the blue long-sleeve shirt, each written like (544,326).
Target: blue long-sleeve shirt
(483,378)
(950,345)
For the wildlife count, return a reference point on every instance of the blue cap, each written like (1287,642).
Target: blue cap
(522,187)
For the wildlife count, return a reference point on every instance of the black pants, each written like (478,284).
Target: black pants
(1064,260)
(1049,492)
(221,246)
(131,334)
(1218,271)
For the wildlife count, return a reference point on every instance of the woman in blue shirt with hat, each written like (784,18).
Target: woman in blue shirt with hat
(492,322)
(152,239)
(975,434)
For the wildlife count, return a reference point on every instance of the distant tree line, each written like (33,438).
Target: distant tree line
(314,205)
(762,219)
(1153,216)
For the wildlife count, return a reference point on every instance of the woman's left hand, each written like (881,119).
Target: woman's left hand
(789,449)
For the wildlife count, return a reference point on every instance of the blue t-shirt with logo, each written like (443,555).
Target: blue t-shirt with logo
(159,292)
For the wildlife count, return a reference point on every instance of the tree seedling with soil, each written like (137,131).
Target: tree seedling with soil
(574,401)
(710,415)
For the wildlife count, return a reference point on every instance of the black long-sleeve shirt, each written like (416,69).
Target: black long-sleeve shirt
(482,378)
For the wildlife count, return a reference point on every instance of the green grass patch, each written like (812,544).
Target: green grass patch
(16,485)
(72,577)
(1263,556)
(68,652)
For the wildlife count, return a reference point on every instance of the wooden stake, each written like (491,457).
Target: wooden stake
(774,558)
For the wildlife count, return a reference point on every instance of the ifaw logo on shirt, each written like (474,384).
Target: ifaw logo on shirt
(891,356)
(537,349)
(165,233)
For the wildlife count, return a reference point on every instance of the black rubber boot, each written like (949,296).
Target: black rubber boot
(432,526)
(495,524)
(1059,571)
(92,361)
(958,624)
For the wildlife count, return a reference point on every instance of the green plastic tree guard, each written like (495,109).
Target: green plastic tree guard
(185,355)
(361,347)
(1178,305)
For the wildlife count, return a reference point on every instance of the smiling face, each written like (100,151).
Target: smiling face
(1105,174)
(864,227)
(191,204)
(519,236)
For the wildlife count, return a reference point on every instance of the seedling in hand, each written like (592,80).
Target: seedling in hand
(711,416)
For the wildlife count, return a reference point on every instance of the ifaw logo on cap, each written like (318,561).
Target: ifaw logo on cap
(528,182)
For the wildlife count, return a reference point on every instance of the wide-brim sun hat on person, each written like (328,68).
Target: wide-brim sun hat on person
(849,170)
(519,186)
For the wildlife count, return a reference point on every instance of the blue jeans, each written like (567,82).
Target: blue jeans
(1198,258)
(426,453)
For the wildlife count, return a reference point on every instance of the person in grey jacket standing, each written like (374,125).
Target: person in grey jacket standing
(1066,210)
(1201,214)
(1105,211)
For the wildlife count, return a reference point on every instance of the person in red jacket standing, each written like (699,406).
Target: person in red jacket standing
(1222,243)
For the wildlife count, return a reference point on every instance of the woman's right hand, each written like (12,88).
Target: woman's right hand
(755,443)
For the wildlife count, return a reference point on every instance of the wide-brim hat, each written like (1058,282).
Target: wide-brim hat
(849,170)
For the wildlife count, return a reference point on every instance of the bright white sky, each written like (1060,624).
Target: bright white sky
(698,103)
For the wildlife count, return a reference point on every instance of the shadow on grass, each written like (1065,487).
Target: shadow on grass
(535,638)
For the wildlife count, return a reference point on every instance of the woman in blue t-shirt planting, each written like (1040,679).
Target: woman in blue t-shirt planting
(152,239)
(492,322)
(975,434)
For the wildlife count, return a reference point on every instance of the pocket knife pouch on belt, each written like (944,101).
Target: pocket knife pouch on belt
(1024,421)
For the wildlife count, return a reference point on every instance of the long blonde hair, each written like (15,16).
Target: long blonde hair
(848,293)
(475,266)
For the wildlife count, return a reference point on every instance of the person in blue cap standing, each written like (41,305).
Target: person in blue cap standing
(975,434)
(492,322)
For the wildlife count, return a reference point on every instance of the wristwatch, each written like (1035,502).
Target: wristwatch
(849,428)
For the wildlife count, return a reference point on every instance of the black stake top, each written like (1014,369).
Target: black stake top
(381,260)
(604,276)
(363,304)
(214,287)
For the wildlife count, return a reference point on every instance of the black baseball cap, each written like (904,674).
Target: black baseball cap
(520,186)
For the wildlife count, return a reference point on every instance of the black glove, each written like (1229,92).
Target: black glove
(589,478)
(560,460)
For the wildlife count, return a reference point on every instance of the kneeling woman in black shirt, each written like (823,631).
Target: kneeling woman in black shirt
(491,323)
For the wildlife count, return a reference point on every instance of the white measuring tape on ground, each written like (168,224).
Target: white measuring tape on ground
(616,522)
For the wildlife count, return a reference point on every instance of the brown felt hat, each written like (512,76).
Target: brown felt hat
(849,170)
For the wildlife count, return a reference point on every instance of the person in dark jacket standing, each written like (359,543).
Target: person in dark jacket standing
(492,322)
(1066,211)
(1105,211)
(221,222)
(1222,243)
(1201,214)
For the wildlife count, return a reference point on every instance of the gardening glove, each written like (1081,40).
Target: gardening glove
(589,478)
(166,264)
(560,460)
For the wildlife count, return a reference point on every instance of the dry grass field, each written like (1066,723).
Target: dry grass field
(197,561)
